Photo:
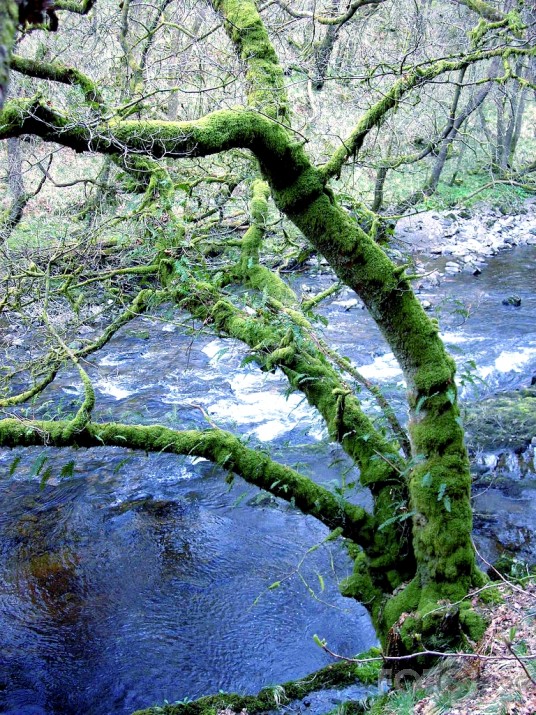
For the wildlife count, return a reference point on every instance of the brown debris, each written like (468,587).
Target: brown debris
(495,687)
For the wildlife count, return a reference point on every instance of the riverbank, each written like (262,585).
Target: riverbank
(466,238)
(499,683)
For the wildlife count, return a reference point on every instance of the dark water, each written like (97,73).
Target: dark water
(143,578)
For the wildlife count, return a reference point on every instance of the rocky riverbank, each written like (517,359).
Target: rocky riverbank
(466,238)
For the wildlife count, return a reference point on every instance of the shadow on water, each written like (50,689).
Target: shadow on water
(136,584)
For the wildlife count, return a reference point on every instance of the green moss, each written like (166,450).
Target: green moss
(360,586)
(264,75)
(473,623)
(268,699)
(303,190)
(505,420)
(9,14)
(405,601)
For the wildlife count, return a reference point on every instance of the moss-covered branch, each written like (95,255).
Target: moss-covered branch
(264,75)
(336,675)
(58,72)
(307,371)
(139,305)
(220,447)
(416,77)
(249,268)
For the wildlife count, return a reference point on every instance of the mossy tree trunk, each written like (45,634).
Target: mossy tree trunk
(441,563)
(9,14)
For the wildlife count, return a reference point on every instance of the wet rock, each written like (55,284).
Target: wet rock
(452,267)
(430,281)
(513,300)
(507,419)
(85,330)
(347,304)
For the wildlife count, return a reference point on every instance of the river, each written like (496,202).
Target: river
(144,578)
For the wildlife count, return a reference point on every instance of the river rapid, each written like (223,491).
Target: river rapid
(143,578)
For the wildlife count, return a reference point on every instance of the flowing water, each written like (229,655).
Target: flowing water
(135,579)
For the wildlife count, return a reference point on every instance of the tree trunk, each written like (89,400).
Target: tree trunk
(9,14)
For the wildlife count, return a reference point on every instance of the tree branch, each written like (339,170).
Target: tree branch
(220,447)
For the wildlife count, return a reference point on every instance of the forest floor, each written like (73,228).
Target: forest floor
(492,687)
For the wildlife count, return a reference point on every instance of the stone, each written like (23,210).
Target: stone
(452,267)
(513,300)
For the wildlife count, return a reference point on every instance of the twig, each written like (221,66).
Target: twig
(520,661)
(412,656)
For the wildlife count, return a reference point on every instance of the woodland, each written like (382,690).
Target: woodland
(195,154)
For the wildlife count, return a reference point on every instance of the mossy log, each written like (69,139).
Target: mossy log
(271,699)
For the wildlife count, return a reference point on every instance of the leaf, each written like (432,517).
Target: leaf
(407,515)
(446,503)
(334,534)
(14,464)
(321,581)
(397,518)
(426,480)
(274,585)
(387,523)
(321,643)
(67,471)
(451,395)
(220,353)
(441,491)
(44,479)
(248,359)
(37,466)
(420,403)
(240,499)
